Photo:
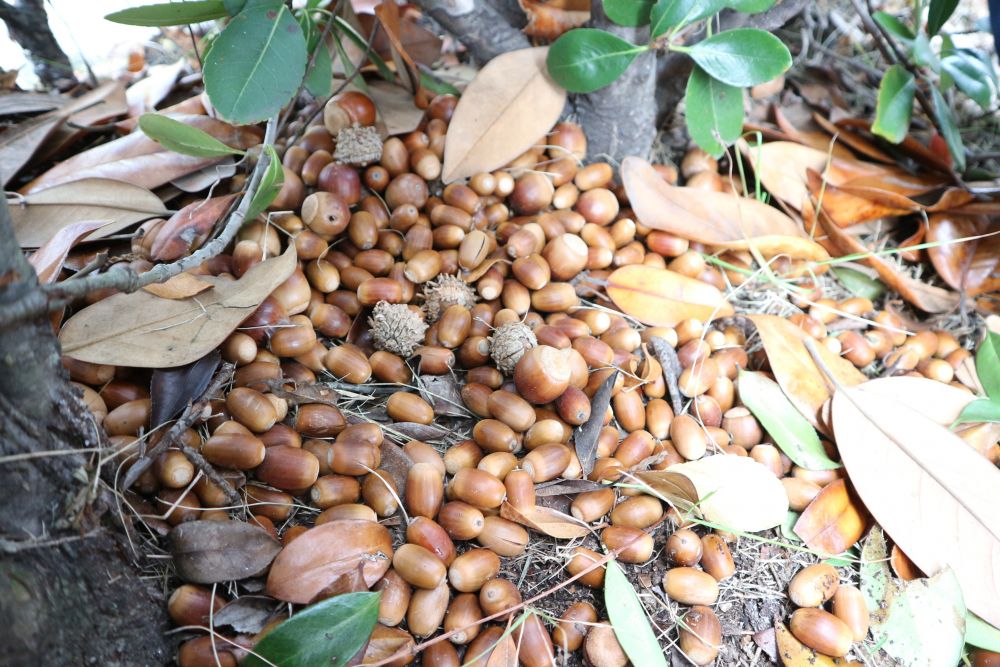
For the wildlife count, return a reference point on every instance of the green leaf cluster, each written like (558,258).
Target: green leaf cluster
(587,59)
(988,369)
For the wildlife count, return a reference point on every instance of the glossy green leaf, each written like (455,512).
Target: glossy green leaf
(437,86)
(924,55)
(319,79)
(628,618)
(988,365)
(938,14)
(667,14)
(327,634)
(270,185)
(585,59)
(256,64)
(791,432)
(981,634)
(971,77)
(894,26)
(750,6)
(949,128)
(234,7)
(742,57)
(857,283)
(628,12)
(895,104)
(713,111)
(170,13)
(788,527)
(182,138)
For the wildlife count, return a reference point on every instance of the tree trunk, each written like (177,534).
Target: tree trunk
(69,590)
(28,25)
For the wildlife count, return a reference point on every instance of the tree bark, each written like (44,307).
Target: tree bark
(69,591)
(28,25)
(479,26)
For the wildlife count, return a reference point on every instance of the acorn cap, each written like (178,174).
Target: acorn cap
(396,328)
(509,343)
(446,291)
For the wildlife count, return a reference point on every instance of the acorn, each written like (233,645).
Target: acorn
(716,559)
(497,595)
(462,617)
(394,598)
(813,585)
(592,505)
(849,605)
(418,566)
(542,374)
(601,647)
(446,291)
(700,635)
(470,571)
(427,609)
(636,545)
(690,586)
(639,512)
(191,605)
(430,535)
(683,548)
(573,626)
(460,520)
(504,537)
(822,631)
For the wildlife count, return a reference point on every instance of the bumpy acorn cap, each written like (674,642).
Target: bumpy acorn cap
(509,343)
(446,291)
(396,328)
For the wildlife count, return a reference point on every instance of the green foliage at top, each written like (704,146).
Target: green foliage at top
(583,60)
(988,369)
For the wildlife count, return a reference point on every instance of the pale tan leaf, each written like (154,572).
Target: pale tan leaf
(794,369)
(663,298)
(545,520)
(146,331)
(147,92)
(939,402)
(181,286)
(833,521)
(48,260)
(912,473)
(396,109)
(38,216)
(509,106)
(733,491)
(719,219)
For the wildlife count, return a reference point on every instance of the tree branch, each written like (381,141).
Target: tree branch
(28,24)
(479,26)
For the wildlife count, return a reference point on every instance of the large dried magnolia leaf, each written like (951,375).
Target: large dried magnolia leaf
(661,297)
(971,266)
(793,368)
(396,109)
(37,217)
(545,520)
(210,552)
(510,104)
(144,330)
(733,491)
(48,260)
(323,556)
(912,473)
(718,219)
(939,402)
(139,160)
(833,521)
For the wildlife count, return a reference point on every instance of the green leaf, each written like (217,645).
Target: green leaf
(988,365)
(938,14)
(628,618)
(980,410)
(713,111)
(181,138)
(319,80)
(270,185)
(788,527)
(971,77)
(585,59)
(342,27)
(437,86)
(750,6)
(894,26)
(949,128)
(895,104)
(327,634)
(234,7)
(857,283)
(667,14)
(628,12)
(784,423)
(742,57)
(171,13)
(256,64)
(924,55)
(981,634)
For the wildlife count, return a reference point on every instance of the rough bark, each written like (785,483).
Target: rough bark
(620,120)
(479,26)
(69,592)
(28,25)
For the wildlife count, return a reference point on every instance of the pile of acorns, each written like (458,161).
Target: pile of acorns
(479,280)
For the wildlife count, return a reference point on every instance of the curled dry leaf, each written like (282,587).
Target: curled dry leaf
(893,452)
(245,614)
(187,229)
(969,266)
(386,642)
(49,259)
(395,107)
(146,331)
(795,371)
(171,389)
(181,286)
(586,435)
(388,15)
(318,558)
(510,104)
(545,520)
(794,653)
(548,20)
(925,297)
(210,552)
(833,521)
(37,217)
(718,219)
(661,297)
(735,492)
(139,160)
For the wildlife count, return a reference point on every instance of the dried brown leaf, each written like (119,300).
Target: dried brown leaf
(833,521)
(548,20)
(545,520)
(187,229)
(510,104)
(146,331)
(49,259)
(181,286)
(794,653)
(662,297)
(586,435)
(969,266)
(210,552)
